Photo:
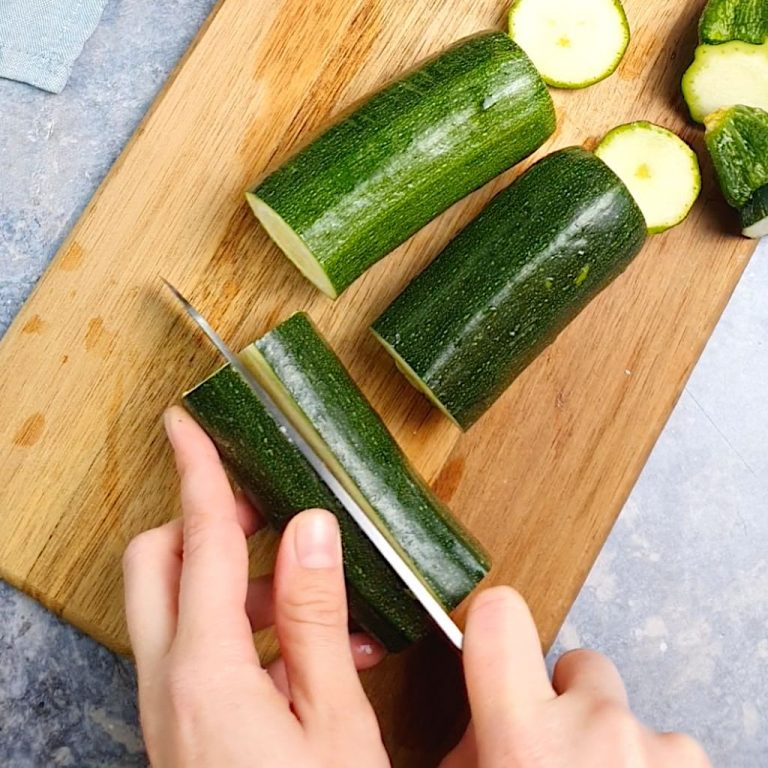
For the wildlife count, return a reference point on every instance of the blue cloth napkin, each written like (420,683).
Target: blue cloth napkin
(41,39)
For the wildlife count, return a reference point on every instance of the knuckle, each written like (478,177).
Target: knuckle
(616,722)
(314,604)
(686,750)
(140,547)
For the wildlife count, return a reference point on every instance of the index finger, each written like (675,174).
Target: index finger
(503,661)
(214,574)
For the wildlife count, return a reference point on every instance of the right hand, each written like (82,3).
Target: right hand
(522,720)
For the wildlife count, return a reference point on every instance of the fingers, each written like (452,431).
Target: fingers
(311,622)
(214,576)
(678,750)
(151,571)
(591,674)
(503,661)
(366,653)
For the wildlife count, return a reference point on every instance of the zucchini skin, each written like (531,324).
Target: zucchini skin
(281,483)
(755,210)
(725,20)
(737,140)
(409,151)
(506,286)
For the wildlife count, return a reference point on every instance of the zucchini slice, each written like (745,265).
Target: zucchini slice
(403,156)
(754,214)
(572,44)
(737,140)
(724,75)
(506,286)
(659,168)
(725,20)
(302,373)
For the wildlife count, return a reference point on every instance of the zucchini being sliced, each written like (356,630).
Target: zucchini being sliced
(506,286)
(754,214)
(737,140)
(400,158)
(724,75)
(725,20)
(572,44)
(302,373)
(659,168)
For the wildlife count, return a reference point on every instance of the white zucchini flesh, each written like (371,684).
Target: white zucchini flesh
(291,244)
(757,230)
(660,170)
(573,43)
(725,75)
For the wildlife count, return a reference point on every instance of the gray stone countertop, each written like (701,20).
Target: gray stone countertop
(678,597)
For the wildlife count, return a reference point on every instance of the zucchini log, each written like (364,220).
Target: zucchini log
(726,20)
(754,214)
(724,75)
(659,168)
(403,156)
(572,44)
(302,373)
(506,286)
(737,140)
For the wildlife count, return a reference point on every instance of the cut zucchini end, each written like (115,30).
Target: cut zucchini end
(660,170)
(754,215)
(291,245)
(724,75)
(757,230)
(573,45)
(413,377)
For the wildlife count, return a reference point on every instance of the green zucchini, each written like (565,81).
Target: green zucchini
(737,140)
(503,289)
(305,377)
(724,75)
(406,154)
(725,20)
(754,214)
(572,44)
(659,168)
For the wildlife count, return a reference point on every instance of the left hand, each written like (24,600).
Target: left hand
(204,697)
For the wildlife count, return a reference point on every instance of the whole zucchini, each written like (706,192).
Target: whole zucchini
(503,289)
(303,374)
(403,156)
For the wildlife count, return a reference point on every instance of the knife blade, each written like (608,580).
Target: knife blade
(434,609)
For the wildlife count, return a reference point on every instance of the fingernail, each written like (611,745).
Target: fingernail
(318,543)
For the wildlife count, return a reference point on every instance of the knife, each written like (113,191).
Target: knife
(437,613)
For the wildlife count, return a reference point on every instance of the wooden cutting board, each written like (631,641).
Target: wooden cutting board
(98,352)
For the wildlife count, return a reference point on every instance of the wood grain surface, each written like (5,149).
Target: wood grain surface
(98,351)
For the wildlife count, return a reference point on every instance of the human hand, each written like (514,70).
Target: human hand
(205,699)
(521,720)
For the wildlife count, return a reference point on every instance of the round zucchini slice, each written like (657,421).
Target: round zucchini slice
(572,44)
(659,169)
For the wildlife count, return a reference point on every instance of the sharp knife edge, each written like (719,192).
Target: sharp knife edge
(427,600)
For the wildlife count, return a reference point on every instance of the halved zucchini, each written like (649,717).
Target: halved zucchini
(724,75)
(572,44)
(300,371)
(659,168)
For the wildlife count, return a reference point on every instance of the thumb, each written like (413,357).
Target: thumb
(311,621)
